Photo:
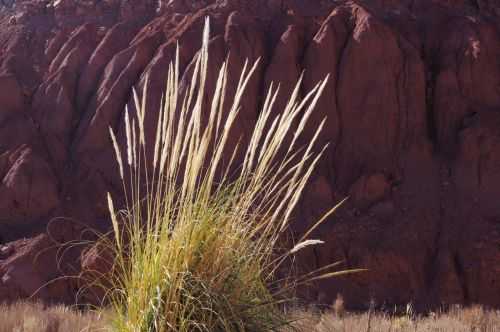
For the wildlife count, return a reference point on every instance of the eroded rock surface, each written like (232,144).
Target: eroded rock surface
(413,109)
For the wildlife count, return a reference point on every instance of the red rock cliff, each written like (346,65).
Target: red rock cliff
(413,110)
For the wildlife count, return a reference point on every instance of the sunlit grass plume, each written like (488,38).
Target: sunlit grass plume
(197,245)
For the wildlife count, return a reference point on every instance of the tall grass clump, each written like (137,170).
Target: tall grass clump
(197,246)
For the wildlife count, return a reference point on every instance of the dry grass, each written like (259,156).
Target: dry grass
(29,317)
(473,319)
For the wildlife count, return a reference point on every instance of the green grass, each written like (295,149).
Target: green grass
(198,245)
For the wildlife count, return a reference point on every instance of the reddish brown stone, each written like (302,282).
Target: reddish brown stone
(28,190)
(411,112)
(11,98)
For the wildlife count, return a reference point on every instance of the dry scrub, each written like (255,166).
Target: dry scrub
(26,317)
(29,317)
(473,319)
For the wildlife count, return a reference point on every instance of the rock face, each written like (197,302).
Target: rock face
(413,107)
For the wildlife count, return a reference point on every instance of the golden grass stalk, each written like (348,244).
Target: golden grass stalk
(197,242)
